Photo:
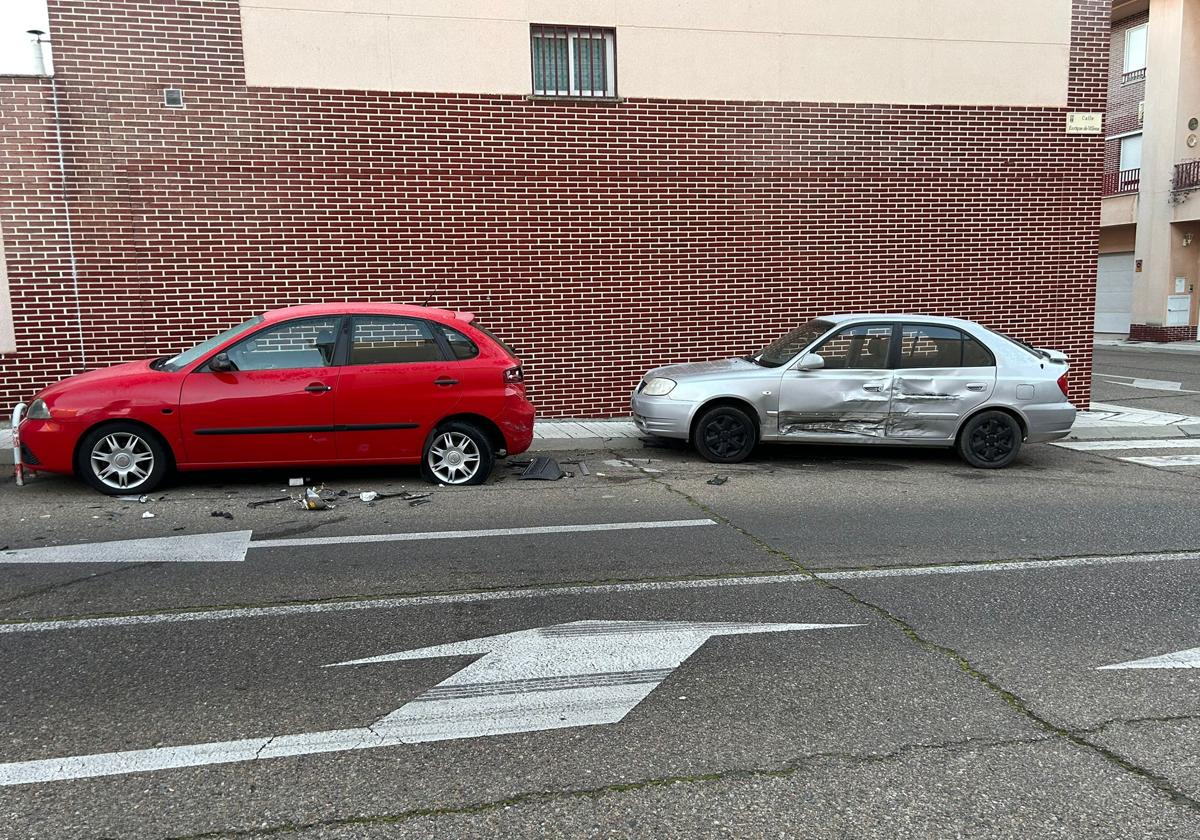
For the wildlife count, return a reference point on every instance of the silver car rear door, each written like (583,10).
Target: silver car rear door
(846,400)
(942,373)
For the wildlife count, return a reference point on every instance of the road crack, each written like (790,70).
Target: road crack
(54,587)
(1009,698)
(790,767)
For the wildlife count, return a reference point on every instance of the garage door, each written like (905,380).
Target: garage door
(1114,293)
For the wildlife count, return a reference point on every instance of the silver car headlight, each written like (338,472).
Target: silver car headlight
(659,387)
(38,410)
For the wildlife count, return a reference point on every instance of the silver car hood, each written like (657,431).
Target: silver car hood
(699,370)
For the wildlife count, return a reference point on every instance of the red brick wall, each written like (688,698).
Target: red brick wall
(1123,99)
(1148,332)
(599,239)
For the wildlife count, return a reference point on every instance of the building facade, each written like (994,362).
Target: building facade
(609,184)
(1149,264)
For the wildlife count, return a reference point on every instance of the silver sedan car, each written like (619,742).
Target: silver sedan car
(866,379)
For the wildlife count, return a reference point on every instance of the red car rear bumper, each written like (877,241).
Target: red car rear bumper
(516,423)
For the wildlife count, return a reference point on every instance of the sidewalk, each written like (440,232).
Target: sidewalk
(1176,347)
(1101,422)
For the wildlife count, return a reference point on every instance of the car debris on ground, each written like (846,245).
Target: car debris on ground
(261,502)
(717,480)
(223,514)
(542,468)
(147,515)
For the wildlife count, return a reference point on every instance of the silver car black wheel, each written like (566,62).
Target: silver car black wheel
(122,460)
(453,458)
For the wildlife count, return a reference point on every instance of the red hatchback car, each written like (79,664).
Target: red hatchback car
(313,385)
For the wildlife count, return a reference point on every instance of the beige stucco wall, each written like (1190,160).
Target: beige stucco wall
(1118,210)
(893,51)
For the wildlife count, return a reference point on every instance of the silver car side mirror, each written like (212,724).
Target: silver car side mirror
(810,361)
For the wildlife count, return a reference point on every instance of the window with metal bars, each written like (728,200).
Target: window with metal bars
(573,61)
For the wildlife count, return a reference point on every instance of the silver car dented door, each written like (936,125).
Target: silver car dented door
(847,399)
(941,375)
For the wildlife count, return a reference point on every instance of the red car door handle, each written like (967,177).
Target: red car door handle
(318,388)
(445,382)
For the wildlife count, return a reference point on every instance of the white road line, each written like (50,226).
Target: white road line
(1112,445)
(231,546)
(1165,460)
(485,532)
(225,547)
(559,591)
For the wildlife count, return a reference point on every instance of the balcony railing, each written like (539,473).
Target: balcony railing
(1133,76)
(1187,176)
(1125,181)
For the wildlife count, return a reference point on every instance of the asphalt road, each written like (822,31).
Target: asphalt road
(950,694)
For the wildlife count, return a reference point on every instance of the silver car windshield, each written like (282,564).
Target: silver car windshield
(188,356)
(783,349)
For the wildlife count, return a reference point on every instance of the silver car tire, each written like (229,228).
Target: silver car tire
(725,435)
(122,458)
(990,440)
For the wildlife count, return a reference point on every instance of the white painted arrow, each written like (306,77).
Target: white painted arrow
(231,546)
(1180,659)
(225,547)
(579,674)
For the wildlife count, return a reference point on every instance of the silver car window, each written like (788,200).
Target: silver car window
(783,349)
(928,346)
(864,347)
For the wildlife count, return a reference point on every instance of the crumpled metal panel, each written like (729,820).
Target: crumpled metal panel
(871,425)
(930,405)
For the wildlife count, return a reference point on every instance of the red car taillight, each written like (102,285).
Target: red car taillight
(1062,384)
(514,375)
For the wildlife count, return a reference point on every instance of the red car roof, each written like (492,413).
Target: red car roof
(366,308)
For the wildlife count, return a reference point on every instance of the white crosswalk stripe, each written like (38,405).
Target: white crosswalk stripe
(1166,460)
(1189,459)
(1103,445)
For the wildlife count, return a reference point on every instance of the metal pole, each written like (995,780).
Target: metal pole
(18,467)
(39,57)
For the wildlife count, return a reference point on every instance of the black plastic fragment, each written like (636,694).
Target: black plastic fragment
(222,514)
(717,480)
(262,502)
(543,468)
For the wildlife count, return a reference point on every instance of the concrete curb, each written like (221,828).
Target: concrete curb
(1192,349)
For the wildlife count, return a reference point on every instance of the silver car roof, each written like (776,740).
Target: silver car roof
(846,318)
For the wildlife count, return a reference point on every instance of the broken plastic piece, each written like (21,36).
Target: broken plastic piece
(311,500)
(295,482)
(717,480)
(262,502)
(147,515)
(543,468)
(368,495)
(142,499)
(223,514)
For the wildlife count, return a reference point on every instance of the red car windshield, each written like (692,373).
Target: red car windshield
(196,353)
